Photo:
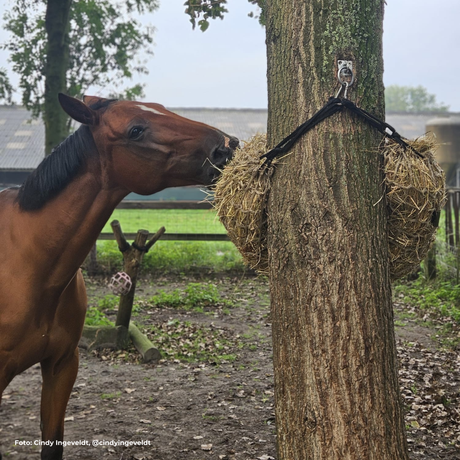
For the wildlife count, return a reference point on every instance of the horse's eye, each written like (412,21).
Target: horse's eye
(136,133)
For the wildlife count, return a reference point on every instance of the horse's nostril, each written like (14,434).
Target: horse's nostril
(221,156)
(234,143)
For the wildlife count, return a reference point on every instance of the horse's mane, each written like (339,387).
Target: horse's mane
(57,170)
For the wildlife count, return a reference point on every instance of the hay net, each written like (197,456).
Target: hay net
(241,195)
(415,193)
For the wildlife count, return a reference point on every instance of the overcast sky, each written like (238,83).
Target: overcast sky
(226,65)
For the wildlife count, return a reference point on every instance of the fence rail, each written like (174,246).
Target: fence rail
(132,204)
(174,236)
(452,222)
(170,205)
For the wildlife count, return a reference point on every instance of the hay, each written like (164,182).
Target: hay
(415,191)
(241,195)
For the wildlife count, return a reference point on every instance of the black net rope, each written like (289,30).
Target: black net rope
(334,105)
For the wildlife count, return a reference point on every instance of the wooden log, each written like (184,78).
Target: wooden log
(155,238)
(123,245)
(143,345)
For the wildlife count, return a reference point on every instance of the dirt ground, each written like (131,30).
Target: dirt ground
(216,403)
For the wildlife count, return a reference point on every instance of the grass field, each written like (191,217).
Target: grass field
(174,220)
(173,256)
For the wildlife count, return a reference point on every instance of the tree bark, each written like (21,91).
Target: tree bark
(336,383)
(57,63)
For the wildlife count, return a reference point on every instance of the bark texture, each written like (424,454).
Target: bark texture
(336,386)
(57,63)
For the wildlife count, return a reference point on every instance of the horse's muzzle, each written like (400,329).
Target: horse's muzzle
(221,156)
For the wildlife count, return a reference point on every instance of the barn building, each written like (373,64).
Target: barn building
(22,138)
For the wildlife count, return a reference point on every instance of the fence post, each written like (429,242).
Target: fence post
(92,261)
(132,258)
(431,263)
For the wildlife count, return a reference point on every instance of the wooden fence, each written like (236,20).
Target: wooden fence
(452,222)
(170,205)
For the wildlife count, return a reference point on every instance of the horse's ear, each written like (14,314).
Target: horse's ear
(95,100)
(77,110)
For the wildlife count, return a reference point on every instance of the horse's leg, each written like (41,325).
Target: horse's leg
(3,385)
(55,396)
(6,376)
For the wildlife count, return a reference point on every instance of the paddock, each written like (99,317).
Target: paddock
(206,408)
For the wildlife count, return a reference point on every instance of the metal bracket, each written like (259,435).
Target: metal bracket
(345,70)
(345,76)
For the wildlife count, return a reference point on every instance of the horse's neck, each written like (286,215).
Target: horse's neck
(68,226)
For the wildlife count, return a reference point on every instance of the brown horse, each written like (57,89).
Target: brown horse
(48,226)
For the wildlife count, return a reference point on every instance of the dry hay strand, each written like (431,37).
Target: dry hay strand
(415,191)
(241,195)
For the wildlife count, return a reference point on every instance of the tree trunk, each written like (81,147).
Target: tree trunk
(336,382)
(57,63)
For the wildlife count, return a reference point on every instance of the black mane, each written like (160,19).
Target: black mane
(57,170)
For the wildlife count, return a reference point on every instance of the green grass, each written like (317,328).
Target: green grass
(95,317)
(174,220)
(173,256)
(177,257)
(111,395)
(195,297)
(441,297)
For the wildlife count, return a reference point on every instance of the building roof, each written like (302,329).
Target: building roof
(22,139)
(242,123)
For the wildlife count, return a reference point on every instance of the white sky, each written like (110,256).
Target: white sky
(226,65)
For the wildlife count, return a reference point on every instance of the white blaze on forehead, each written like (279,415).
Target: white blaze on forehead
(149,109)
(227,141)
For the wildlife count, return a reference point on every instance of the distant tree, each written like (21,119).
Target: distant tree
(70,45)
(411,99)
(6,90)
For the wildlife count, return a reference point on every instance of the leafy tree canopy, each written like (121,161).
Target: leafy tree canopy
(200,11)
(411,99)
(105,44)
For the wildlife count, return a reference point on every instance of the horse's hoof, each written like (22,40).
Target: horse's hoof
(51,453)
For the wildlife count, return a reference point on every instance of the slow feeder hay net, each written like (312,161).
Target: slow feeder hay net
(240,200)
(415,191)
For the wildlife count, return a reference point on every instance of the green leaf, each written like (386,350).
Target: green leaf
(107,45)
(203,25)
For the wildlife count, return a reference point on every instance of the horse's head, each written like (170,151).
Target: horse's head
(147,148)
